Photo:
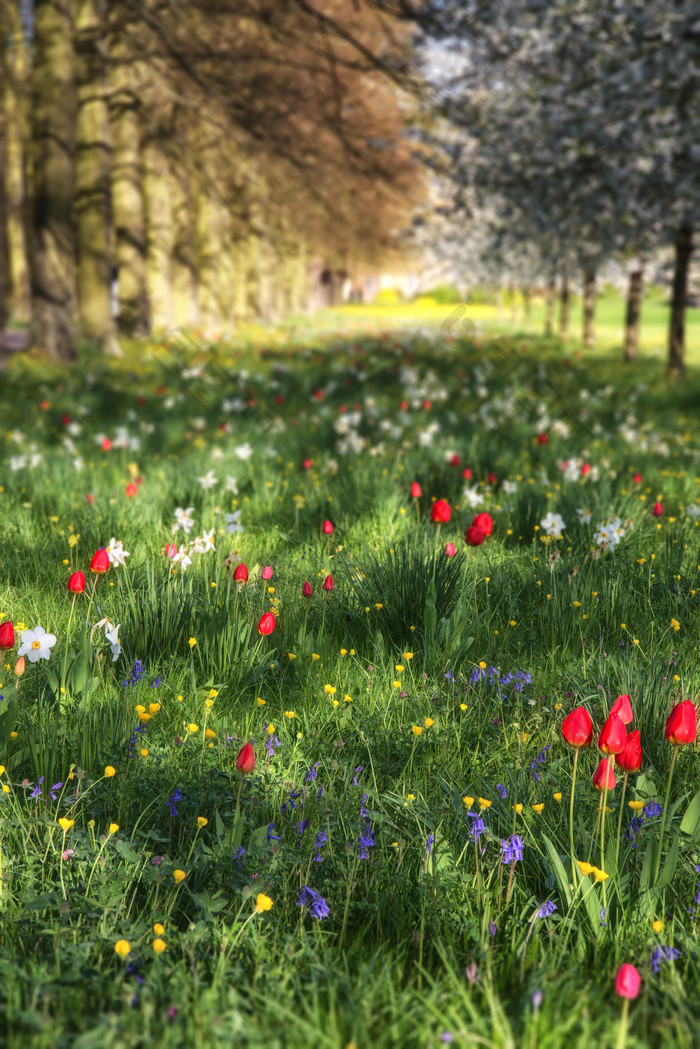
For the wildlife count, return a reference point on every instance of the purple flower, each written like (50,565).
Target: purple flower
(312,773)
(319,907)
(477,827)
(56,786)
(653,809)
(360,768)
(546,909)
(237,856)
(493,929)
(366,841)
(512,848)
(271,836)
(501,790)
(36,793)
(661,955)
(174,797)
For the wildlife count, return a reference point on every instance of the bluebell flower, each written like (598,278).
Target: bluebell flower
(131,746)
(36,793)
(309,896)
(501,790)
(512,848)
(271,836)
(52,790)
(312,773)
(366,841)
(661,955)
(546,909)
(156,682)
(450,676)
(237,856)
(478,827)
(363,811)
(653,809)
(360,768)
(271,743)
(135,674)
(174,797)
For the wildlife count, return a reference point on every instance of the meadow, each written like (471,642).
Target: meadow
(328,798)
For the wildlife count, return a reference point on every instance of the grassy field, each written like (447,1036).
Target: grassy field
(414,856)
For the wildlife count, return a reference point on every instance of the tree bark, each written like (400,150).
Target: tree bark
(16,58)
(564,307)
(183,287)
(207,235)
(240,277)
(159,233)
(92,184)
(634,306)
(527,306)
(589,308)
(3,194)
(676,339)
(53,247)
(549,294)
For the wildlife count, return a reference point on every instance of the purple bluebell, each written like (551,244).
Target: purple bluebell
(271,743)
(155,682)
(312,773)
(321,840)
(653,809)
(237,856)
(131,746)
(36,793)
(135,674)
(478,827)
(174,797)
(52,790)
(271,836)
(662,955)
(366,841)
(319,907)
(501,790)
(546,909)
(512,848)
(360,768)
(363,811)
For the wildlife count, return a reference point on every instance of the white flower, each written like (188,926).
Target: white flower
(473,496)
(36,644)
(553,525)
(74,429)
(116,552)
(208,481)
(510,487)
(609,532)
(572,469)
(17,436)
(232,522)
(232,485)
(203,543)
(244,451)
(584,516)
(114,641)
(693,510)
(217,454)
(78,463)
(183,519)
(182,559)
(18,462)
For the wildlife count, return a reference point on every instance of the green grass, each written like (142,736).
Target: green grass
(374,691)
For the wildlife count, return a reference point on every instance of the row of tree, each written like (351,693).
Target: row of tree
(570,133)
(196,156)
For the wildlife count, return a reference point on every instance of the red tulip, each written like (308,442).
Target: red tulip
(484,521)
(454,460)
(637,478)
(578,728)
(623,708)
(307,464)
(240,573)
(245,762)
(100,562)
(328,583)
(76,583)
(416,490)
(7,635)
(585,469)
(602,774)
(542,438)
(328,528)
(106,445)
(612,735)
(266,572)
(65,419)
(474,536)
(440,512)
(657,510)
(170,549)
(627,981)
(131,489)
(681,724)
(266,624)
(492,479)
(630,757)
(20,666)
(404,406)
(450,550)
(467,474)
(90,498)
(307,589)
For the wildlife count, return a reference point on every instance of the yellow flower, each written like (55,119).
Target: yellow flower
(213,693)
(110,771)
(289,714)
(417,730)
(635,641)
(585,868)
(484,803)
(144,752)
(330,689)
(262,903)
(577,604)
(513,622)
(154,707)
(429,722)
(2,770)
(600,875)
(343,651)
(675,624)
(636,805)
(65,824)
(347,698)
(557,796)
(290,655)
(113,828)
(399,669)
(202,821)
(122,948)
(271,729)
(261,701)
(462,706)
(378,605)
(180,699)
(623,626)
(396,684)
(158,929)
(538,808)
(179,876)
(314,656)
(518,807)
(209,733)
(193,727)
(482,664)
(468,800)
(192,642)
(407,655)
(159,945)
(657,926)
(410,797)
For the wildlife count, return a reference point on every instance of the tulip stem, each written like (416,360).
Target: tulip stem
(237,817)
(602,825)
(571,818)
(622,1034)
(663,814)
(619,822)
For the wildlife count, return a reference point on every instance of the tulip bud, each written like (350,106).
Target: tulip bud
(454,460)
(637,478)
(20,666)
(604,774)
(627,981)
(474,536)
(328,582)
(612,736)
(328,528)
(245,762)
(240,573)
(623,708)
(492,479)
(266,624)
(681,724)
(484,521)
(630,757)
(7,635)
(440,512)
(131,489)
(307,589)
(266,572)
(100,562)
(542,438)
(467,474)
(578,728)
(450,550)
(76,583)
(416,490)
(657,510)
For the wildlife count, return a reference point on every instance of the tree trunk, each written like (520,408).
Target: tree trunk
(207,235)
(634,305)
(183,289)
(16,59)
(527,306)
(3,194)
(53,247)
(240,278)
(564,307)
(92,184)
(549,294)
(589,308)
(499,305)
(676,340)
(159,233)
(133,316)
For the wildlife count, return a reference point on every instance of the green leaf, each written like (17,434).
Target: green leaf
(125,851)
(562,878)
(690,824)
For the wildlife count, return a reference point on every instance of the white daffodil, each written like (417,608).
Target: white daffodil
(36,644)
(233,523)
(244,451)
(183,519)
(116,552)
(114,641)
(553,525)
(208,481)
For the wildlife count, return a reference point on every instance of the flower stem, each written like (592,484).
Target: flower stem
(571,818)
(622,1034)
(663,814)
(619,822)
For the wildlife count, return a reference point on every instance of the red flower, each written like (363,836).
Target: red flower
(623,708)
(467,474)
(131,489)
(612,735)
(440,512)
(454,460)
(7,635)
(585,469)
(328,583)
(306,464)
(484,521)
(328,528)
(578,728)
(245,762)
(492,479)
(416,490)
(682,724)
(603,774)
(170,549)
(65,419)
(404,406)
(657,510)
(90,498)
(240,573)
(630,757)
(106,444)
(266,624)
(307,589)
(427,405)
(637,478)
(450,550)
(542,438)
(627,981)
(474,536)
(266,572)
(76,583)
(100,562)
